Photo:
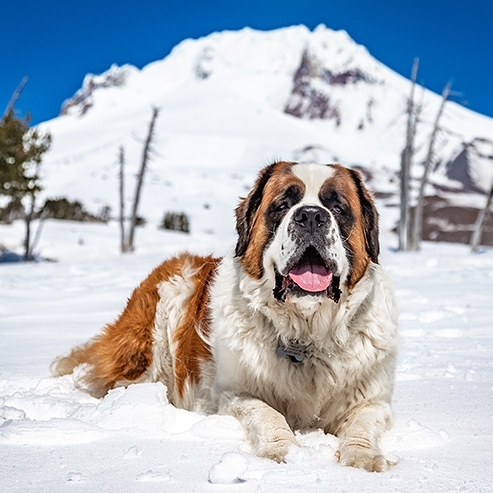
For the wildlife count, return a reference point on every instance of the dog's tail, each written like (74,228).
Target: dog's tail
(87,378)
(121,354)
(64,365)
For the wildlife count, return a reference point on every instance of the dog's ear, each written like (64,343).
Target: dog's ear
(249,205)
(370,217)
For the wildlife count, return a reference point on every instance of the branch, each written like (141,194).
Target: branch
(15,97)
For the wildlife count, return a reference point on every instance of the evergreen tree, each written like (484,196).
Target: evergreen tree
(21,152)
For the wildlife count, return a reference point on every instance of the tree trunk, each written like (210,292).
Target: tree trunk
(140,178)
(406,157)
(480,222)
(37,235)
(123,240)
(15,96)
(28,254)
(417,231)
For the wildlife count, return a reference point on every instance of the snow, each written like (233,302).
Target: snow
(229,470)
(54,437)
(212,137)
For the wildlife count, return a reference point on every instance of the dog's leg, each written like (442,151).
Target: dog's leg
(359,438)
(266,429)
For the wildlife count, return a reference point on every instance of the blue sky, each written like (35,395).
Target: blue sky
(57,42)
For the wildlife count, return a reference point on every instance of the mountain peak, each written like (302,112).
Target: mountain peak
(82,100)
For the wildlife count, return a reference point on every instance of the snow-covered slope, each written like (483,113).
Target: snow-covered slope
(56,438)
(232,101)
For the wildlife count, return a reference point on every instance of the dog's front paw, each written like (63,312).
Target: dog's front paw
(363,458)
(276,446)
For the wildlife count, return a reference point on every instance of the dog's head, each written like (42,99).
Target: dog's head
(307,229)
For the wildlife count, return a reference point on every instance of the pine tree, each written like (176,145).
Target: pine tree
(21,152)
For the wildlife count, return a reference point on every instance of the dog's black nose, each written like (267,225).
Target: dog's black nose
(311,217)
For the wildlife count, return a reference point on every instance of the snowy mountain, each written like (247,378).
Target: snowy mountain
(233,101)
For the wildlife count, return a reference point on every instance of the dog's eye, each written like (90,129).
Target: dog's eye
(337,209)
(280,207)
(288,199)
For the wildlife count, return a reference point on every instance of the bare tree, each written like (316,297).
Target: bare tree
(140,179)
(123,240)
(406,158)
(15,96)
(417,230)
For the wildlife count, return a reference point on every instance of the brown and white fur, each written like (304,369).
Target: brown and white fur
(248,335)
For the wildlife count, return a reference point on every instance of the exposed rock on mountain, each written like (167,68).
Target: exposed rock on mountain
(83,99)
(311,93)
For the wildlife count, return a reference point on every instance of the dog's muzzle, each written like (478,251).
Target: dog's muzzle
(311,270)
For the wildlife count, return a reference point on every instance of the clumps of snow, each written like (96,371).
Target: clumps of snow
(229,470)
(153,475)
(74,477)
(136,407)
(132,452)
(51,412)
(9,414)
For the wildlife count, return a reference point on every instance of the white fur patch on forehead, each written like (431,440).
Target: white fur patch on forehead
(313,176)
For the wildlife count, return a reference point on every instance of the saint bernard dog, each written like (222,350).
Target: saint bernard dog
(295,329)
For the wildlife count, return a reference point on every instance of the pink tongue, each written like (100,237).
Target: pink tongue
(311,277)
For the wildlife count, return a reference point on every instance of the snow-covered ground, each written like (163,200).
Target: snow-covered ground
(54,437)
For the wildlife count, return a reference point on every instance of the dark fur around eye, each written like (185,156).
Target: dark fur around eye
(334,202)
(281,205)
